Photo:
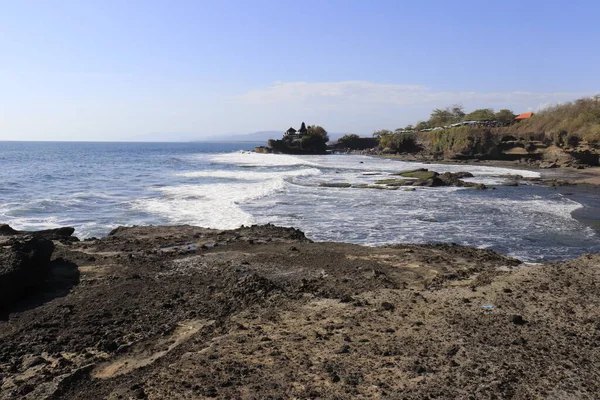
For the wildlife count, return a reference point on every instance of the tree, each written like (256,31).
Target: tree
(446,116)
(350,141)
(316,130)
(381,133)
(316,139)
(457,111)
(482,114)
(404,142)
(505,116)
(421,125)
(406,128)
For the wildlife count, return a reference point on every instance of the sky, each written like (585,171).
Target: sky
(186,69)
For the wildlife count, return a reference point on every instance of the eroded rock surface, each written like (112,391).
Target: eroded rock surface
(24,265)
(262,312)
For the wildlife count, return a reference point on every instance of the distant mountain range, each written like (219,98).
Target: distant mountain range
(261,136)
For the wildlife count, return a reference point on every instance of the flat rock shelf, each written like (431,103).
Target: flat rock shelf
(263,312)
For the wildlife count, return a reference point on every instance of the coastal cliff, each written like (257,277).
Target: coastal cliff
(461,144)
(262,311)
(563,135)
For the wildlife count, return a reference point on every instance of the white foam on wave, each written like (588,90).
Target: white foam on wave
(212,205)
(563,208)
(511,221)
(250,175)
(372,164)
(32,223)
(88,229)
(248,159)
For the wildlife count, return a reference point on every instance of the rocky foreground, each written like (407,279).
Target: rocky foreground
(262,312)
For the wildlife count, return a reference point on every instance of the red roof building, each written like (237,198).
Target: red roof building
(526,115)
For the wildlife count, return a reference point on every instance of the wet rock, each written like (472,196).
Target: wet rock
(7,230)
(335,184)
(548,165)
(421,173)
(49,234)
(426,178)
(23,266)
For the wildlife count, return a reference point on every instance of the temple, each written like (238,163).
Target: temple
(292,134)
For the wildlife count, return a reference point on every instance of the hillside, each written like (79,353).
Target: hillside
(562,135)
(579,119)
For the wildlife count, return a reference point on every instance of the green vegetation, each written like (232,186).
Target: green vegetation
(356,142)
(422,174)
(505,116)
(382,133)
(446,116)
(396,142)
(350,141)
(421,125)
(483,114)
(565,124)
(315,139)
(460,140)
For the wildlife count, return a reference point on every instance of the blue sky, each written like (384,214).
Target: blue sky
(181,70)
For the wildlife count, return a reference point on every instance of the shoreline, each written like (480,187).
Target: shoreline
(583,184)
(587,176)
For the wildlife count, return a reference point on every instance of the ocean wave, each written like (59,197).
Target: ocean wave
(32,223)
(250,159)
(212,205)
(250,175)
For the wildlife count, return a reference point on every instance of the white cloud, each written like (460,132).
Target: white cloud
(362,106)
(343,92)
(348,106)
(363,93)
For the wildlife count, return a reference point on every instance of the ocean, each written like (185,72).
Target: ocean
(96,187)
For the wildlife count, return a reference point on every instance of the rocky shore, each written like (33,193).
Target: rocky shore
(263,312)
(484,146)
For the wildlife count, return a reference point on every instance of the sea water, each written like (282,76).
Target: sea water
(96,187)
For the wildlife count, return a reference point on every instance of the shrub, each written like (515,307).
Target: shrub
(356,142)
(578,118)
(483,114)
(350,141)
(398,143)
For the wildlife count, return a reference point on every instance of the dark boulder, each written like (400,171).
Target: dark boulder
(426,178)
(50,234)
(454,179)
(436,181)
(24,264)
(6,230)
